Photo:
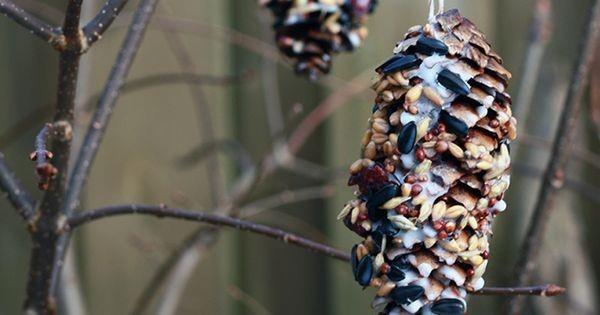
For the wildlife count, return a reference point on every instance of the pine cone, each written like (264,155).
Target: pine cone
(310,31)
(434,168)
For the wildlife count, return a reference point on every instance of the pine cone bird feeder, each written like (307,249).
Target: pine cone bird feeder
(434,168)
(310,31)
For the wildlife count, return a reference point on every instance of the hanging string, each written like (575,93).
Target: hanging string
(431,10)
(441,6)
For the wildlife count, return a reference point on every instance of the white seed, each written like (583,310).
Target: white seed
(423,167)
(414,94)
(402,222)
(422,127)
(455,211)
(370,151)
(383,84)
(356,166)
(395,118)
(424,211)
(354,215)
(438,211)
(420,199)
(394,202)
(429,242)
(451,246)
(476,260)
(433,96)
(405,189)
(473,242)
(473,222)
(344,211)
(483,165)
(387,96)
(378,261)
(386,288)
(455,150)
(400,78)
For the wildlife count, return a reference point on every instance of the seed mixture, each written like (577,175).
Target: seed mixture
(434,168)
(310,31)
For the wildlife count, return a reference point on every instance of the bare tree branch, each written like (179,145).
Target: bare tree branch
(39,299)
(554,175)
(214,219)
(16,194)
(101,22)
(82,218)
(36,26)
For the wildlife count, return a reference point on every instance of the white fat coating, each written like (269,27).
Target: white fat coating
(413,307)
(478,284)
(425,269)
(409,276)
(452,274)
(410,238)
(429,292)
(429,231)
(500,206)
(444,255)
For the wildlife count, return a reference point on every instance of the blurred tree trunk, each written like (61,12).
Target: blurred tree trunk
(283,279)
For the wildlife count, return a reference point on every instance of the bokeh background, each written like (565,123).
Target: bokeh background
(249,97)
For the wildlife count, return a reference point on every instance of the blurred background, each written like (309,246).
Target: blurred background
(208,83)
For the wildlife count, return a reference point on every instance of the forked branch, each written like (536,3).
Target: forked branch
(33,24)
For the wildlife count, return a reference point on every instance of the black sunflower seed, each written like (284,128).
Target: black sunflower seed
(429,46)
(407,294)
(375,108)
(387,228)
(384,194)
(448,307)
(399,62)
(364,271)
(376,214)
(453,124)
(453,82)
(354,260)
(407,137)
(395,273)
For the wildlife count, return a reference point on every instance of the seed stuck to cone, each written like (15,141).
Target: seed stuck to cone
(437,146)
(309,32)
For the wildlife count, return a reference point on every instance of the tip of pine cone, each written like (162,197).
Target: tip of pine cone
(554,290)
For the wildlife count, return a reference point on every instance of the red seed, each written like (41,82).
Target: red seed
(450,227)
(441,146)
(442,235)
(385,268)
(420,154)
(402,209)
(485,254)
(470,272)
(441,128)
(416,189)
(410,179)
(438,225)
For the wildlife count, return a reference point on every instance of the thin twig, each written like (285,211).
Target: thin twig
(215,219)
(101,22)
(554,174)
(44,169)
(16,194)
(39,299)
(36,26)
(82,218)
(540,290)
(99,122)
